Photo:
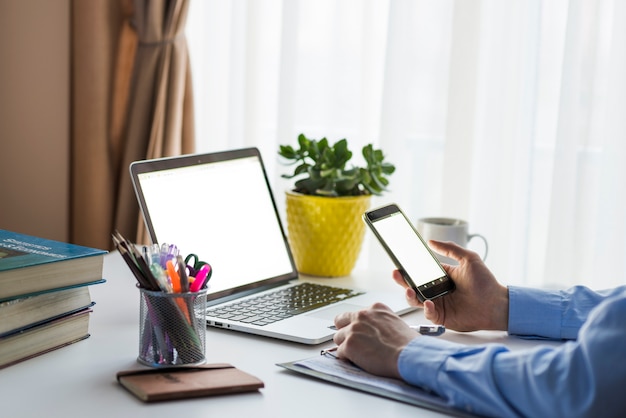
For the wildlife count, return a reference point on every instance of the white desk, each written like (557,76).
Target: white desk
(79,380)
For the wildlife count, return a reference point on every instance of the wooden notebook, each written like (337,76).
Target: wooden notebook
(152,385)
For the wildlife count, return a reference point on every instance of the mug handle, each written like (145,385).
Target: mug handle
(470,236)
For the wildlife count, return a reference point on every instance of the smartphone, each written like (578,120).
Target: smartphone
(416,262)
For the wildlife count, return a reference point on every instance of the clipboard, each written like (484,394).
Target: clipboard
(341,372)
(153,385)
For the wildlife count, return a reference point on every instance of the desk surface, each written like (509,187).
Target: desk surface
(80,379)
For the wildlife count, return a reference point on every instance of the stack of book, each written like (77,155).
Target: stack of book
(44,294)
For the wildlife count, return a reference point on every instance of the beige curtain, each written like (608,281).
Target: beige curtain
(132,101)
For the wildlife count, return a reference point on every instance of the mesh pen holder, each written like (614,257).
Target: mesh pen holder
(172,330)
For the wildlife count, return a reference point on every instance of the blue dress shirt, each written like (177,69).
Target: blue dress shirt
(583,377)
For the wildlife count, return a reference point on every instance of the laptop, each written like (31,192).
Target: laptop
(220,206)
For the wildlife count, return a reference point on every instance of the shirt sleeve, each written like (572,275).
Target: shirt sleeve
(556,314)
(582,378)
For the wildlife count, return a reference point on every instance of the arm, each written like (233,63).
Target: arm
(557,314)
(579,378)
(582,378)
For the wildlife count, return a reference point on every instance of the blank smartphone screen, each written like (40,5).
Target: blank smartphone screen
(409,249)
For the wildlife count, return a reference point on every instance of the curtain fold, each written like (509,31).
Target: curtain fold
(132,100)
(160,110)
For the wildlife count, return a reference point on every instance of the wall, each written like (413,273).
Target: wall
(34,117)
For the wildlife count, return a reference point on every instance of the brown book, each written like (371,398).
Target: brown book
(19,314)
(152,385)
(31,342)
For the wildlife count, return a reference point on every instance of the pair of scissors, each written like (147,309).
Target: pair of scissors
(193,264)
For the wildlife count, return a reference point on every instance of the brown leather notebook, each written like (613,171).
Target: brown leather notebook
(152,385)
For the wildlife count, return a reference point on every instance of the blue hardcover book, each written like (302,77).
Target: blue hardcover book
(31,265)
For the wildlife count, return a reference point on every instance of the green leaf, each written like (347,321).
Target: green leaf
(303,142)
(287,151)
(302,168)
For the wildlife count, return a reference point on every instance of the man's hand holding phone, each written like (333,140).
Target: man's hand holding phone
(478,302)
(417,265)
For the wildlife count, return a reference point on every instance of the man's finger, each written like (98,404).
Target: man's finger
(450,249)
(343,319)
(431,313)
(397,277)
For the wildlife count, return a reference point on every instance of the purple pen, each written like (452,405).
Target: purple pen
(168,252)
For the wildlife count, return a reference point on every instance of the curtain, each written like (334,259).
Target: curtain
(132,100)
(506,114)
(160,115)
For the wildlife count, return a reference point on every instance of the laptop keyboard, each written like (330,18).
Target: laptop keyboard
(282,304)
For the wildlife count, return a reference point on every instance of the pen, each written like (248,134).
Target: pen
(163,255)
(135,262)
(329,351)
(134,268)
(168,252)
(146,253)
(145,269)
(155,252)
(429,329)
(182,273)
(201,278)
(174,277)
(161,277)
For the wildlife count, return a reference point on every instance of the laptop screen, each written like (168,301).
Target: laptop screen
(220,207)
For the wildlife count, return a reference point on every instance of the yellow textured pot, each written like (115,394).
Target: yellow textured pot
(325,233)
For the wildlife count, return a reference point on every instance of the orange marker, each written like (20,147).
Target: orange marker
(174,277)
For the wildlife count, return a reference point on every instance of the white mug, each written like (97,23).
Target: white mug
(447,229)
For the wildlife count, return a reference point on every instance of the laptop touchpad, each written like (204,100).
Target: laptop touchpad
(332,311)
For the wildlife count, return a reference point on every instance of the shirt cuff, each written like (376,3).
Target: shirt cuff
(421,360)
(535,312)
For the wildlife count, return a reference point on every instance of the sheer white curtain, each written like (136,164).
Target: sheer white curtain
(511,115)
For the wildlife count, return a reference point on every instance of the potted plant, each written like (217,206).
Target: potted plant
(324,208)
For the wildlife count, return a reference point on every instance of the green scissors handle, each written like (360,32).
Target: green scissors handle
(195,266)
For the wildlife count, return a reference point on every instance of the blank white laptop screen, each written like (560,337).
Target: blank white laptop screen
(222,211)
